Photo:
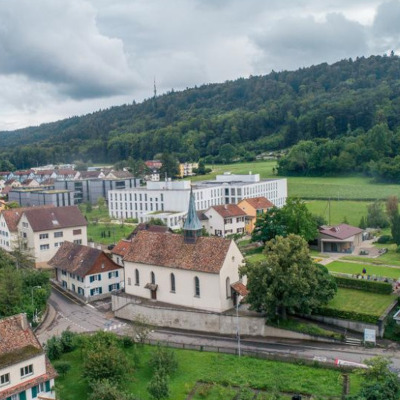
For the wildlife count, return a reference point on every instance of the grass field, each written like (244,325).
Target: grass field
(344,187)
(216,368)
(113,232)
(356,268)
(361,302)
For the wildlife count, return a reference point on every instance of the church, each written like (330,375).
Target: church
(186,270)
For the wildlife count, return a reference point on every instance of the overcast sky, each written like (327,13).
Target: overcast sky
(60,58)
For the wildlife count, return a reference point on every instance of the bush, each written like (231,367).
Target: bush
(62,367)
(364,284)
(384,239)
(68,342)
(158,386)
(163,359)
(351,315)
(54,348)
(127,342)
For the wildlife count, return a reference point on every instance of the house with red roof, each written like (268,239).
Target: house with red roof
(254,207)
(25,371)
(86,271)
(340,238)
(224,220)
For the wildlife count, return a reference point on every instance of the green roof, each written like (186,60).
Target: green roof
(18,355)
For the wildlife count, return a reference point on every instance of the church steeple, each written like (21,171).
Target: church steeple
(192,227)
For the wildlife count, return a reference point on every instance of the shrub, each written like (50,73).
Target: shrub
(351,315)
(62,367)
(163,359)
(364,284)
(384,239)
(127,342)
(68,341)
(54,348)
(158,386)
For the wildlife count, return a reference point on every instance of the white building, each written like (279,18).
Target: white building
(86,271)
(25,371)
(184,270)
(224,220)
(173,196)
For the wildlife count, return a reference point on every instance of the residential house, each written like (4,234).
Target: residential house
(184,270)
(14,183)
(44,174)
(43,230)
(66,174)
(254,207)
(30,183)
(92,175)
(25,371)
(120,250)
(6,175)
(86,271)
(118,175)
(153,164)
(340,238)
(223,220)
(24,175)
(186,169)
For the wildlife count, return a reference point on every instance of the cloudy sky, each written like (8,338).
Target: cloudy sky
(60,58)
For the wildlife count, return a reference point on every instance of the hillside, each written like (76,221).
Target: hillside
(328,106)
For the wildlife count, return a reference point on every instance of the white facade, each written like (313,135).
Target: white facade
(222,226)
(214,290)
(8,240)
(173,196)
(43,245)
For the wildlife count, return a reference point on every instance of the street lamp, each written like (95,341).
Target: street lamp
(237,322)
(34,287)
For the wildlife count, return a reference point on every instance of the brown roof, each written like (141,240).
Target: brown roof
(46,219)
(90,174)
(13,216)
(240,288)
(341,231)
(10,181)
(121,174)
(44,172)
(82,260)
(48,182)
(207,254)
(259,203)
(149,227)
(27,172)
(229,210)
(6,190)
(66,172)
(121,248)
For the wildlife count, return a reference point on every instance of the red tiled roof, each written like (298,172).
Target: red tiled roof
(229,210)
(44,172)
(259,203)
(6,190)
(19,173)
(46,219)
(66,172)
(48,181)
(341,231)
(207,254)
(13,216)
(121,174)
(91,174)
(238,287)
(121,248)
(81,260)
(148,227)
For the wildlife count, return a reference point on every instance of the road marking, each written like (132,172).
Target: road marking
(113,327)
(72,322)
(89,305)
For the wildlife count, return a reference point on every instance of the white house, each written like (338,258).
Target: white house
(86,271)
(184,270)
(25,371)
(42,230)
(223,220)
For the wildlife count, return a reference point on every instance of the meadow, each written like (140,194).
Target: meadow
(224,372)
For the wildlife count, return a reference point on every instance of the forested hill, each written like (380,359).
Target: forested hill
(337,109)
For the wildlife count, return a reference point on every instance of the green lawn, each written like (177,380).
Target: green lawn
(361,302)
(216,368)
(356,268)
(338,211)
(116,232)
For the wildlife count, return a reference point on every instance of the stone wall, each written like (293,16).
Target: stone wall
(128,308)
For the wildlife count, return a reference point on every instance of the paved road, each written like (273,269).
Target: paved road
(67,313)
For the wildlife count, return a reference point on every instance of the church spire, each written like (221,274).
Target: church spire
(192,227)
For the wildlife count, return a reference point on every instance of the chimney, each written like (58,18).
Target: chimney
(24,322)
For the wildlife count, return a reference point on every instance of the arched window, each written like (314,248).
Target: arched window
(228,288)
(153,278)
(137,278)
(196,286)
(172,283)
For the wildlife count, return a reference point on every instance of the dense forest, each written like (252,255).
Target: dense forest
(331,118)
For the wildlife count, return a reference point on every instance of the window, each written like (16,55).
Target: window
(196,286)
(96,291)
(173,283)
(78,241)
(25,371)
(95,278)
(113,274)
(137,278)
(152,277)
(4,379)
(58,234)
(129,282)
(81,291)
(77,232)
(228,220)
(14,397)
(43,236)
(112,287)
(228,288)
(25,224)
(44,247)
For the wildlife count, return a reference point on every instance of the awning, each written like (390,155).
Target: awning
(151,286)
(240,289)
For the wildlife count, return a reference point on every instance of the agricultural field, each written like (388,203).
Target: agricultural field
(224,371)
(356,268)
(359,301)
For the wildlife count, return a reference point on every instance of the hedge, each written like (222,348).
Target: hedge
(351,315)
(364,284)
